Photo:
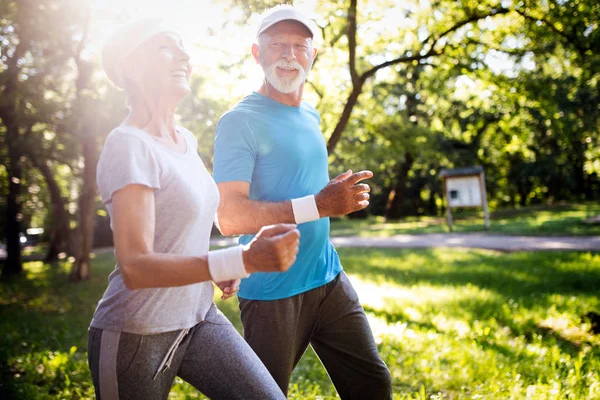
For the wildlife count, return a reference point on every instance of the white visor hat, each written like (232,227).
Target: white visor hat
(283,13)
(126,39)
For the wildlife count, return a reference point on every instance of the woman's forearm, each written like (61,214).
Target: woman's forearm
(154,270)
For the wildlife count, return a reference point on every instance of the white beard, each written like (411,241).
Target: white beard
(282,84)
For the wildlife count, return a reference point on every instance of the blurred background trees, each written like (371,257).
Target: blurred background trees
(404,89)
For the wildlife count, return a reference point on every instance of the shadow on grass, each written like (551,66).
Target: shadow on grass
(398,316)
(50,302)
(512,289)
(522,274)
(44,320)
(550,220)
(41,313)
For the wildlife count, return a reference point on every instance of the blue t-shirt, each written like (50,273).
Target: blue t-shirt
(280,150)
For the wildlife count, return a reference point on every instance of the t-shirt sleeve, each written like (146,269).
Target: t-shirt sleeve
(126,160)
(235,150)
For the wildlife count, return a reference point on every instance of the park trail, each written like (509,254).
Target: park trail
(461,240)
(456,240)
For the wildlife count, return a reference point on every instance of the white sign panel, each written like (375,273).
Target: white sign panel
(464,191)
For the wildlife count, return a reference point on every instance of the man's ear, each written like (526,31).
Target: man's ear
(256,52)
(314,55)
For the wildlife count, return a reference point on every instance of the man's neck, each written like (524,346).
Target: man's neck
(292,99)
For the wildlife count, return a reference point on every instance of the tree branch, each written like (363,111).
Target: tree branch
(352,42)
(323,30)
(336,38)
(358,81)
(512,52)
(570,38)
(316,89)
(460,24)
(404,59)
(433,40)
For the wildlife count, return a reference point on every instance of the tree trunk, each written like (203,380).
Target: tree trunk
(578,165)
(87,128)
(344,118)
(394,208)
(431,205)
(81,268)
(8,113)
(61,232)
(588,193)
(14,263)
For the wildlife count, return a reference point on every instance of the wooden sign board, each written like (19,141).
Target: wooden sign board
(465,188)
(464,191)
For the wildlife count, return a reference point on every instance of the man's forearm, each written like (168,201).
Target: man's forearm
(237,214)
(244,216)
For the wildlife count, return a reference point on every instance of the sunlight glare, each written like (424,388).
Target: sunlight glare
(208,29)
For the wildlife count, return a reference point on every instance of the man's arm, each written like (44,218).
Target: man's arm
(237,214)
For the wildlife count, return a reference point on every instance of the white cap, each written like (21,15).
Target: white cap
(283,13)
(125,40)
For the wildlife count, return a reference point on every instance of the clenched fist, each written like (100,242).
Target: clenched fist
(273,249)
(229,288)
(344,195)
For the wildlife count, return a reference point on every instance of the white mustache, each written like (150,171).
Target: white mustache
(288,64)
(285,85)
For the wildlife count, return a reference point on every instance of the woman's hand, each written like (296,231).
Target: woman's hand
(229,288)
(273,249)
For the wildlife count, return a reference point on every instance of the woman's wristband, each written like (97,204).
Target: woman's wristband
(227,264)
(305,209)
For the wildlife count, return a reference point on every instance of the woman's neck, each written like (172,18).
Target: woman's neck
(157,121)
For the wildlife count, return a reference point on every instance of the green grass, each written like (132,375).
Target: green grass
(450,324)
(560,220)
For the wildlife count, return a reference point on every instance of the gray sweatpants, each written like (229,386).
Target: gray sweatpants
(212,356)
(330,319)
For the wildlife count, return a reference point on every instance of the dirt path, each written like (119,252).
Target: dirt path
(465,240)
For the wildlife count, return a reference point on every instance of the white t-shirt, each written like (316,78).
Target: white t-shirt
(186,199)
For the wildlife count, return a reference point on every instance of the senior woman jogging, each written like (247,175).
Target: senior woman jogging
(157,319)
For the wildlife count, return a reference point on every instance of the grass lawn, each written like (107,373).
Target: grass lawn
(559,220)
(450,324)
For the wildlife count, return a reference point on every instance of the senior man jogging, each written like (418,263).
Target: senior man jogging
(271,167)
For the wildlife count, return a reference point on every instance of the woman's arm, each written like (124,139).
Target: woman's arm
(273,250)
(133,229)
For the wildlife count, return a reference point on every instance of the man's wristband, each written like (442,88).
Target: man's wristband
(227,264)
(305,209)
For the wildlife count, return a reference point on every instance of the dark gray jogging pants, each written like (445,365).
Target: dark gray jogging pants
(330,319)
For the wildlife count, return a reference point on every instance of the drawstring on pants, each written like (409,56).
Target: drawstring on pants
(166,362)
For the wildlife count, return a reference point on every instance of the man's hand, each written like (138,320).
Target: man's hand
(273,249)
(344,195)
(229,288)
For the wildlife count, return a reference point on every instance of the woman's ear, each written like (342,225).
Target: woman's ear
(129,72)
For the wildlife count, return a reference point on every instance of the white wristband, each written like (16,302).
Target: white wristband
(227,264)
(305,209)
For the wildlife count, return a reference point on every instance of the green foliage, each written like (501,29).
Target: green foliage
(43,344)
(449,324)
(565,220)
(200,113)
(511,86)
(471,324)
